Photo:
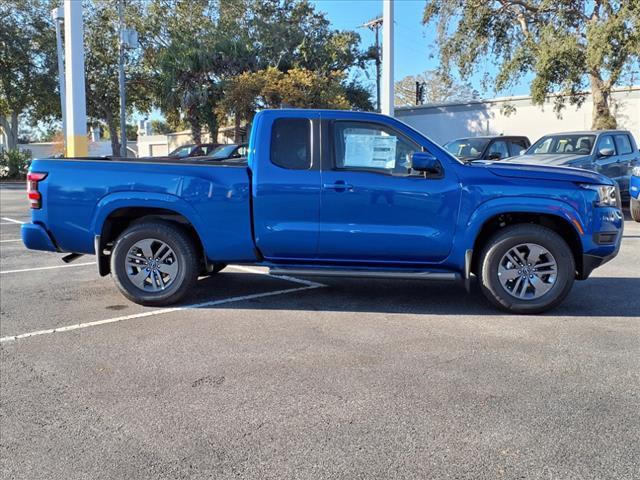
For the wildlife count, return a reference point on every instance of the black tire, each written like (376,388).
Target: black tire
(510,237)
(635,209)
(185,255)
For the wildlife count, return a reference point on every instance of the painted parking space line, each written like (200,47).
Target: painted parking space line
(11,240)
(12,220)
(151,313)
(307,285)
(67,265)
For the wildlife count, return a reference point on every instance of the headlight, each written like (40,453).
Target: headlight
(607,195)
(635,171)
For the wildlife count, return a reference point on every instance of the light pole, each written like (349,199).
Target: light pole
(123,120)
(58,18)
(375,25)
(76,105)
(387,57)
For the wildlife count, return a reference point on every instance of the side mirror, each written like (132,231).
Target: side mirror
(606,152)
(494,156)
(426,163)
(522,152)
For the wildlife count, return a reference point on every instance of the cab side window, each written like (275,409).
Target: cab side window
(291,143)
(498,149)
(370,146)
(606,141)
(623,144)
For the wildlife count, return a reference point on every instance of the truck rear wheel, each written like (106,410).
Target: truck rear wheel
(635,209)
(526,269)
(154,263)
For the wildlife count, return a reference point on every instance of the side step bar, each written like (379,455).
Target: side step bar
(409,275)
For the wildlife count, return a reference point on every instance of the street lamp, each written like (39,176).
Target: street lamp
(58,18)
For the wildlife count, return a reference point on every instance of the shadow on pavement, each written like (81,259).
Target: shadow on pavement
(595,297)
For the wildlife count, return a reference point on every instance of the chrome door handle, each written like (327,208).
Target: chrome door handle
(338,186)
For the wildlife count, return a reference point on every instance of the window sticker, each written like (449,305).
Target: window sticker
(370,151)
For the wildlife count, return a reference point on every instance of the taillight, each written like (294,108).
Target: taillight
(35,197)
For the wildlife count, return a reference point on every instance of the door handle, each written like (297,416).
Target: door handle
(339,186)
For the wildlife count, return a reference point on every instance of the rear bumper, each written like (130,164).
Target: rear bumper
(35,237)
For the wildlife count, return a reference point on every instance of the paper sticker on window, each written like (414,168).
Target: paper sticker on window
(370,151)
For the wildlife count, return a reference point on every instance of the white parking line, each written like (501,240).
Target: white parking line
(48,268)
(11,220)
(11,240)
(77,326)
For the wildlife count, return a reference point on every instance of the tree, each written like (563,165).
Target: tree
(160,127)
(101,66)
(298,87)
(565,44)
(198,48)
(436,89)
(28,65)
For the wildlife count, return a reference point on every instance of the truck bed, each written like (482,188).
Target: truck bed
(79,194)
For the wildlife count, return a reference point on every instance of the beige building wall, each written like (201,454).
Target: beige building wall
(445,122)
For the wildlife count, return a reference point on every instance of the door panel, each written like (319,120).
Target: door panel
(373,209)
(626,159)
(287,192)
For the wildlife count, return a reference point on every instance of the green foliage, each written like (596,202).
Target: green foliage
(203,51)
(14,163)
(160,127)
(28,64)
(568,45)
(101,66)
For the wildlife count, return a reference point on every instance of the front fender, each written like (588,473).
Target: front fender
(471,226)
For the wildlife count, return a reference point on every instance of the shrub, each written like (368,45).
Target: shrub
(14,163)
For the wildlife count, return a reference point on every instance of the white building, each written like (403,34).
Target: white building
(447,121)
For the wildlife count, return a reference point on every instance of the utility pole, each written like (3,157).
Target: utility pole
(387,57)
(123,119)
(375,25)
(76,106)
(58,18)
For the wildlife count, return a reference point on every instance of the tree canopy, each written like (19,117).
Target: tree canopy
(28,64)
(567,45)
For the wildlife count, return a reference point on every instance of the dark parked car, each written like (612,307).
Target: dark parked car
(194,150)
(612,153)
(487,148)
(225,152)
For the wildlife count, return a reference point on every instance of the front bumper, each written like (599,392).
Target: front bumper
(35,237)
(604,242)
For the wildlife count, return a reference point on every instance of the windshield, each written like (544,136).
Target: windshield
(467,147)
(223,151)
(181,152)
(563,144)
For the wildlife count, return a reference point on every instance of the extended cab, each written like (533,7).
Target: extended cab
(330,193)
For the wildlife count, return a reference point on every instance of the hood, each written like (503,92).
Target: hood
(551,159)
(543,172)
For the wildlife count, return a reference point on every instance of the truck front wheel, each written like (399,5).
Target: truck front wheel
(154,263)
(526,269)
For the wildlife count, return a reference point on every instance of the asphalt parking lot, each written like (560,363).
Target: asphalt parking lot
(287,378)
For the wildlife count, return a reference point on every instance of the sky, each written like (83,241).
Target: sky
(414,43)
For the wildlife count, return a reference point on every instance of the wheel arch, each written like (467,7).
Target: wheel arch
(116,214)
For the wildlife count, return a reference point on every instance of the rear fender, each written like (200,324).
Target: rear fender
(132,199)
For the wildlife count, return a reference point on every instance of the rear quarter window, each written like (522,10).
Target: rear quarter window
(291,143)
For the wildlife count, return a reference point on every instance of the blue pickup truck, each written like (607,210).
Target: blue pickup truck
(330,193)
